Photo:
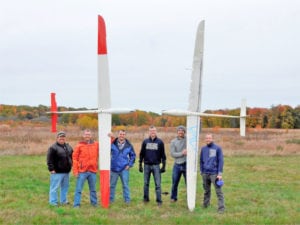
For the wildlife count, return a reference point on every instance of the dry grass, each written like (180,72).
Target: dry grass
(34,139)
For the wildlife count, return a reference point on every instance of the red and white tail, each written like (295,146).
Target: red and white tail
(53,113)
(104,119)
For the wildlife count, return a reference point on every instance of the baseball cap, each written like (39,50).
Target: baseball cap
(61,134)
(181,128)
(219,183)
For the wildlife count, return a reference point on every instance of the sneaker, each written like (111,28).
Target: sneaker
(173,200)
(159,204)
(145,201)
(65,203)
(221,211)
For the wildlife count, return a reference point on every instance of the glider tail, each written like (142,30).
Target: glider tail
(53,115)
(243,118)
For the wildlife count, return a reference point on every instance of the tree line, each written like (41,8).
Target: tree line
(280,116)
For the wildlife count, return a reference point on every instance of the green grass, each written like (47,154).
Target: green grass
(258,190)
(293,141)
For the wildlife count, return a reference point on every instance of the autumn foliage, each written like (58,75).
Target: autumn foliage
(280,116)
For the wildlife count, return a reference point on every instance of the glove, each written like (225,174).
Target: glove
(163,168)
(141,167)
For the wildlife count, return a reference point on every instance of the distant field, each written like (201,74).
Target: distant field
(261,174)
(31,139)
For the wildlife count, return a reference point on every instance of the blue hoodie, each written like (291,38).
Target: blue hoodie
(211,159)
(121,158)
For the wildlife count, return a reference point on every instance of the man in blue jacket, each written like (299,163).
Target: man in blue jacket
(122,158)
(211,168)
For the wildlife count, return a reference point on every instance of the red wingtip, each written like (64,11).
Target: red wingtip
(53,115)
(104,187)
(102,49)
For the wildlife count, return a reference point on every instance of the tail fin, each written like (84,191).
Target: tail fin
(243,118)
(53,115)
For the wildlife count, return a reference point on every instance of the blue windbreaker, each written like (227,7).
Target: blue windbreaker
(211,159)
(121,158)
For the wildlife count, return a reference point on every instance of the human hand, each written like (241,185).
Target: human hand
(162,170)
(110,134)
(141,168)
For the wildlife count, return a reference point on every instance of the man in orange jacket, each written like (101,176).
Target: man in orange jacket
(85,166)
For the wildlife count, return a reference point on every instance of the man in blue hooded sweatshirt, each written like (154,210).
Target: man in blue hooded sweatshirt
(211,168)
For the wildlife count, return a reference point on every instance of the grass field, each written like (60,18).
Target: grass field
(258,190)
(261,173)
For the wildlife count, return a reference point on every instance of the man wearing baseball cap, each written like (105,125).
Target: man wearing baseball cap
(178,152)
(59,161)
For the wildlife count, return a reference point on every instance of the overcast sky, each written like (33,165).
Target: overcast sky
(251,51)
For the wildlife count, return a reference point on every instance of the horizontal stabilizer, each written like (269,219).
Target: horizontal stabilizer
(176,112)
(108,111)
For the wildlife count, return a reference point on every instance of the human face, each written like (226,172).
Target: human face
(208,138)
(152,132)
(121,136)
(87,135)
(180,133)
(61,139)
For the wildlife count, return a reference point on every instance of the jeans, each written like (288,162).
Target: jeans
(124,175)
(91,178)
(178,170)
(59,180)
(208,179)
(155,170)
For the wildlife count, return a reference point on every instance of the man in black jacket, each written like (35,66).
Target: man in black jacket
(59,161)
(152,154)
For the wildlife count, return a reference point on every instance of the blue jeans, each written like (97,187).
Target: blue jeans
(59,180)
(124,175)
(91,178)
(155,170)
(178,170)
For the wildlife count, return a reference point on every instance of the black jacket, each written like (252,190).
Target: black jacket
(153,151)
(59,158)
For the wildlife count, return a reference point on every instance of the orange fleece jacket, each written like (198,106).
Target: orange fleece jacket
(85,157)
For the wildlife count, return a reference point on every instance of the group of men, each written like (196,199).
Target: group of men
(84,160)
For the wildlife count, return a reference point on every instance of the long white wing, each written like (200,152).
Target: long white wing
(195,88)
(193,121)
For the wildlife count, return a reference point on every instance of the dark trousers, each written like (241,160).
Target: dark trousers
(209,179)
(155,170)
